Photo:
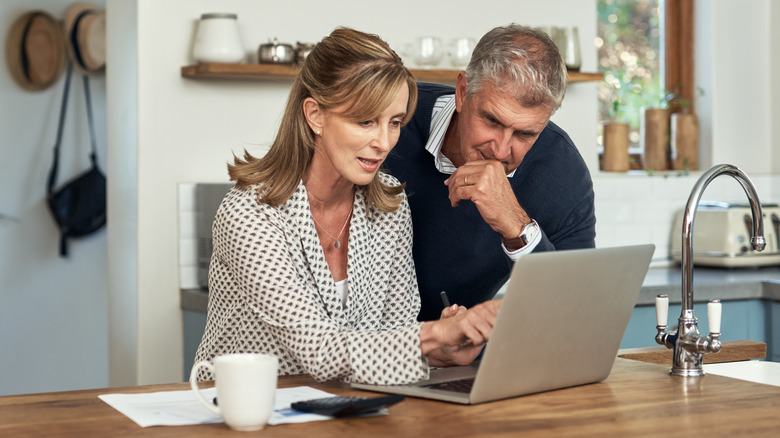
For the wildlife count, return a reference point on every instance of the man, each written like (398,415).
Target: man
(489,177)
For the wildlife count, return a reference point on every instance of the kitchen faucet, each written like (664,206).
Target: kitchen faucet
(687,344)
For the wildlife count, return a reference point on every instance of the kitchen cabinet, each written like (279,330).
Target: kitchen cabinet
(286,72)
(742,319)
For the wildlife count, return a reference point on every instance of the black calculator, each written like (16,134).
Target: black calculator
(343,406)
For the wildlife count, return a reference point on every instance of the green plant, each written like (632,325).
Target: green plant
(665,99)
(614,110)
(622,99)
(674,100)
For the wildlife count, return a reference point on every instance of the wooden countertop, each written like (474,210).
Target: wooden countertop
(636,399)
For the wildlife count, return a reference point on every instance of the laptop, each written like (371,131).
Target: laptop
(560,325)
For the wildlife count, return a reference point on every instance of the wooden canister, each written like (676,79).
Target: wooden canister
(654,134)
(685,141)
(615,158)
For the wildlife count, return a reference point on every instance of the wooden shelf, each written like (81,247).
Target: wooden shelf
(287,72)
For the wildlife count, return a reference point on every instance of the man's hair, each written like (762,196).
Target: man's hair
(520,61)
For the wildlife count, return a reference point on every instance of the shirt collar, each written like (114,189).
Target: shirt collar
(443,110)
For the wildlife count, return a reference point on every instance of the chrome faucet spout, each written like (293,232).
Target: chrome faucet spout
(758,242)
(688,345)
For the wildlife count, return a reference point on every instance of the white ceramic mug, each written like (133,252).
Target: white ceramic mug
(246,384)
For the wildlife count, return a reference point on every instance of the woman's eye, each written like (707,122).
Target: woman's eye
(366,123)
(396,123)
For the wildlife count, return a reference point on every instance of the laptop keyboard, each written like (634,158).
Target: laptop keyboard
(461,385)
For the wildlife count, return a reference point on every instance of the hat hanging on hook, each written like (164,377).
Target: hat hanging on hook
(85,35)
(35,50)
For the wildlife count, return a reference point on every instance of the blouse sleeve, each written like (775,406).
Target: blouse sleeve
(267,264)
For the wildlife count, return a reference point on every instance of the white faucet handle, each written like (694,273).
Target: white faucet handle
(661,309)
(713,315)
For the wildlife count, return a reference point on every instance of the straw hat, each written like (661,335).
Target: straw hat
(35,50)
(85,34)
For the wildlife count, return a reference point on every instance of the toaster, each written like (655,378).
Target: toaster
(722,233)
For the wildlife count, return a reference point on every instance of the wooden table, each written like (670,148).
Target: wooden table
(637,398)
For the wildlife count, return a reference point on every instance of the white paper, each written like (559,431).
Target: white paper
(178,408)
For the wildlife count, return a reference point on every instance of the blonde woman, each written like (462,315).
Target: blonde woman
(312,258)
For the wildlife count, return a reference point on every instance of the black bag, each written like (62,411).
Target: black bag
(78,207)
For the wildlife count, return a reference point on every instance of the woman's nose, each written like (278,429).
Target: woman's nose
(383,140)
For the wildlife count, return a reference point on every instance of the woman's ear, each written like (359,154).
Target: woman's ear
(313,114)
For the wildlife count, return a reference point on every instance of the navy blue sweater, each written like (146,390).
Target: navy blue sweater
(454,249)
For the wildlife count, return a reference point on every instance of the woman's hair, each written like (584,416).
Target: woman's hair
(348,66)
(520,61)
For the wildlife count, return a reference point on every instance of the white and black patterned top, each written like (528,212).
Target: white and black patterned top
(271,291)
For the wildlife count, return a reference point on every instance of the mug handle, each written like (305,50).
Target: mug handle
(194,385)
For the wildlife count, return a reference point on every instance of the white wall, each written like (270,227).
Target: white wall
(123,207)
(741,84)
(53,315)
(774,87)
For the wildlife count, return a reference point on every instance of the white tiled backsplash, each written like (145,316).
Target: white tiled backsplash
(631,209)
(638,208)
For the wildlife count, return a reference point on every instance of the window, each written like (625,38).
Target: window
(645,49)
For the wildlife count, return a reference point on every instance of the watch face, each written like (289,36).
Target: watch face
(529,232)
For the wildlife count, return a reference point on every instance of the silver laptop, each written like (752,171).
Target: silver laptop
(560,324)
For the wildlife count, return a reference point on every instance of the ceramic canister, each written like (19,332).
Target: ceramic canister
(218,39)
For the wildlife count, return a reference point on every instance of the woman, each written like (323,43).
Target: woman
(312,256)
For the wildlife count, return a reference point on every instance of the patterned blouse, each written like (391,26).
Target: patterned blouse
(271,291)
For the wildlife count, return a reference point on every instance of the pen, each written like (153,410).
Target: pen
(444,299)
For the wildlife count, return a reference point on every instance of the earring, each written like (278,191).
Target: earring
(318,132)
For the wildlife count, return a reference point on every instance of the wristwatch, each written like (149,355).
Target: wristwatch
(530,230)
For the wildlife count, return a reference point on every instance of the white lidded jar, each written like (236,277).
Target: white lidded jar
(217,39)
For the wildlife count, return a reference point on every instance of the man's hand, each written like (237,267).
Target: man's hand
(484,182)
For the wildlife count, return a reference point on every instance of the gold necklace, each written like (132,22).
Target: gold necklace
(336,243)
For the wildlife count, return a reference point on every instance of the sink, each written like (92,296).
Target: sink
(758,371)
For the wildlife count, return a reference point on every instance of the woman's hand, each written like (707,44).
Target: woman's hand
(458,337)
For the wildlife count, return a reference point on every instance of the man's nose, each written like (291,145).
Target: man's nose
(502,147)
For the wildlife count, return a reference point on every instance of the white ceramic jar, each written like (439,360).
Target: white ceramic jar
(217,39)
